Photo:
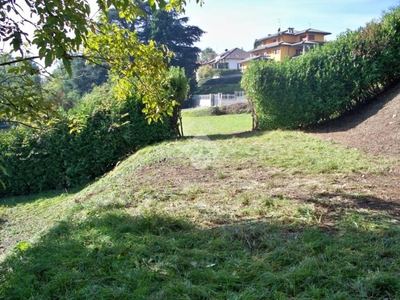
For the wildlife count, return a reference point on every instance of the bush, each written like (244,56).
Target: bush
(223,80)
(327,81)
(55,159)
(225,72)
(205,71)
(238,108)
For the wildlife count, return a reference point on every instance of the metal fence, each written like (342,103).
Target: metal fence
(218,99)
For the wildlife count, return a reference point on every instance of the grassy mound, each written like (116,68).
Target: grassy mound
(273,215)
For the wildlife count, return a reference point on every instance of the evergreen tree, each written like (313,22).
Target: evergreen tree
(171,30)
(86,76)
(66,90)
(168,29)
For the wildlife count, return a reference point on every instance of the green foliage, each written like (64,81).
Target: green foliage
(169,30)
(213,124)
(207,72)
(226,72)
(178,88)
(219,88)
(59,32)
(204,72)
(327,81)
(57,158)
(222,80)
(134,68)
(225,85)
(256,44)
(57,19)
(207,54)
(21,94)
(233,109)
(159,228)
(67,89)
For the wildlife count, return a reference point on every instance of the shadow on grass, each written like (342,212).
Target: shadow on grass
(113,255)
(11,201)
(356,201)
(238,135)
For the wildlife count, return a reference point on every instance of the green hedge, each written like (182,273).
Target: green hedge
(223,80)
(327,81)
(57,159)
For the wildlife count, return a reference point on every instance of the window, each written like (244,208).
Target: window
(303,38)
(311,37)
(276,51)
(279,39)
(222,66)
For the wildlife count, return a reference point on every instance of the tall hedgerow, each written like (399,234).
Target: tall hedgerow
(328,80)
(59,158)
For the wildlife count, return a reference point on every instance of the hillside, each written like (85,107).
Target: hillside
(374,129)
(221,215)
(226,85)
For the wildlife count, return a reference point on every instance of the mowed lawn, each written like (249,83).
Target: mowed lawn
(215,125)
(266,215)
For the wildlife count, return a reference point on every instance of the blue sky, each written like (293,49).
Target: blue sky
(237,23)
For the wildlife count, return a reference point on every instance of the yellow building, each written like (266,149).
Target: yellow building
(285,43)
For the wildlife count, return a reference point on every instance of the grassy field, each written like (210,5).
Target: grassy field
(218,215)
(214,125)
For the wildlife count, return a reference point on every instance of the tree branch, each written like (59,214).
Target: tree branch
(11,62)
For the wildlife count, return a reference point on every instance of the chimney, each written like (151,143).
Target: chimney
(290,29)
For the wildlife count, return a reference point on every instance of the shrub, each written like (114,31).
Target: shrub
(205,71)
(56,158)
(225,72)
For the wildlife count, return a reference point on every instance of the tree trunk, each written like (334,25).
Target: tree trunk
(253,114)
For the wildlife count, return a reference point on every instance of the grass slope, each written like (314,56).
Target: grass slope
(219,88)
(273,215)
(224,85)
(213,126)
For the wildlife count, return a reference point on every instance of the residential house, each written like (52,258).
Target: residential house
(229,59)
(285,43)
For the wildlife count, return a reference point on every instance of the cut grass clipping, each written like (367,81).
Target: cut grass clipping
(275,215)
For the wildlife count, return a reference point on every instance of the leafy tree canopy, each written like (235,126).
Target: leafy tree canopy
(207,54)
(61,29)
(66,90)
(168,29)
(171,30)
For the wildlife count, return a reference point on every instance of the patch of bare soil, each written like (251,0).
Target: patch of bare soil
(375,130)
(250,192)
